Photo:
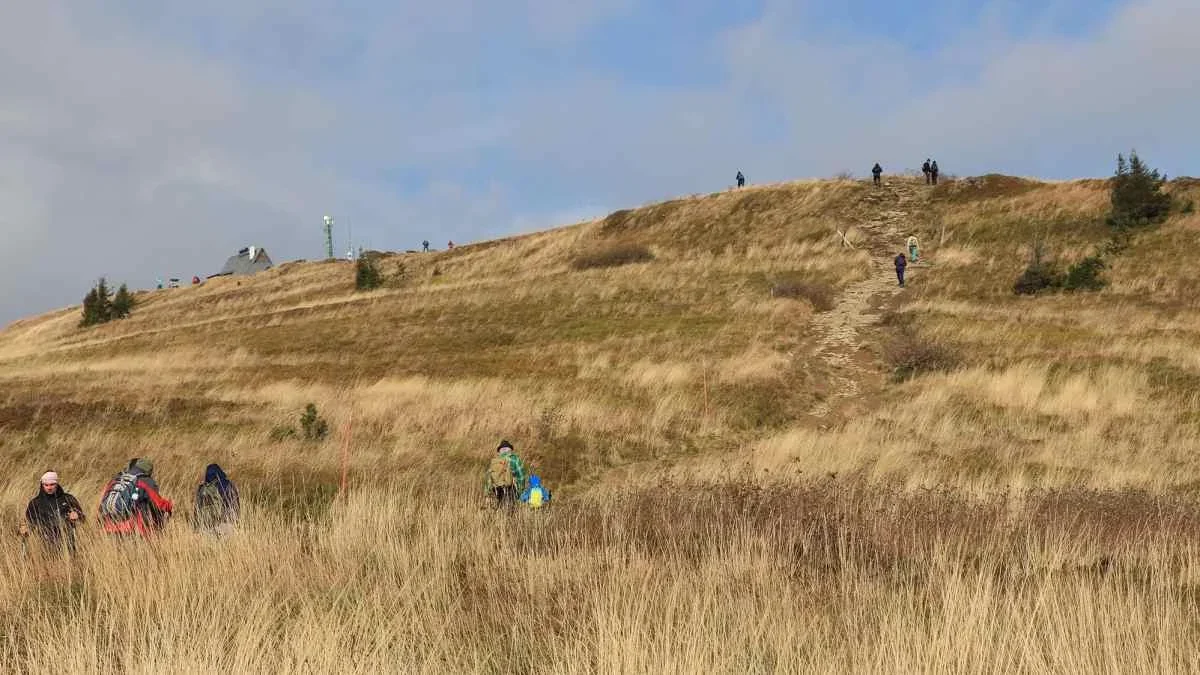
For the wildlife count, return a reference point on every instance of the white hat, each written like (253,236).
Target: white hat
(50,478)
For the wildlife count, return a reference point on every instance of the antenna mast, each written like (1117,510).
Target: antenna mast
(328,236)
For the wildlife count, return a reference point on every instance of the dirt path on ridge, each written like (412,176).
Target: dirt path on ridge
(886,222)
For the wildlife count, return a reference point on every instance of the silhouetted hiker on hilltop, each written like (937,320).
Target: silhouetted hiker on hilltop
(52,515)
(933,171)
(926,169)
(741,180)
(876,172)
(901,263)
(426,245)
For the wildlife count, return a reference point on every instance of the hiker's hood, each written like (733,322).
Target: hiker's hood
(144,464)
(215,473)
(535,481)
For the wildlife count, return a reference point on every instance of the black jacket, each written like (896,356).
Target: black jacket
(47,514)
(901,262)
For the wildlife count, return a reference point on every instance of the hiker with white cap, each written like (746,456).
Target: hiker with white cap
(52,514)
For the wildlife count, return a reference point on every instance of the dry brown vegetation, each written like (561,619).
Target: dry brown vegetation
(1025,501)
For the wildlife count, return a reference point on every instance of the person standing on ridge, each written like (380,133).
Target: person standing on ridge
(901,263)
(426,245)
(506,476)
(52,514)
(131,503)
(741,180)
(876,172)
(926,169)
(933,171)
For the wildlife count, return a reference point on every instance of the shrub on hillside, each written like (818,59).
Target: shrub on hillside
(612,255)
(1136,195)
(911,355)
(101,306)
(367,275)
(818,294)
(1040,275)
(314,426)
(1085,275)
(1036,278)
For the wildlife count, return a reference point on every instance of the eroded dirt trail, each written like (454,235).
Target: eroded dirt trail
(885,223)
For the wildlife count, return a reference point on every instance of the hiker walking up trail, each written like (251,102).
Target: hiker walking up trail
(901,263)
(52,515)
(506,476)
(741,180)
(927,170)
(218,505)
(131,503)
(933,171)
(876,172)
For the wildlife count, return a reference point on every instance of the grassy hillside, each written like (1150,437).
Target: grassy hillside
(766,456)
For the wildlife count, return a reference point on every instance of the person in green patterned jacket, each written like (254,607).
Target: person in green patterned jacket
(506,476)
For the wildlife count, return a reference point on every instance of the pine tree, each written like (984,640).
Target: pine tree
(103,301)
(99,305)
(89,309)
(367,275)
(122,303)
(1137,196)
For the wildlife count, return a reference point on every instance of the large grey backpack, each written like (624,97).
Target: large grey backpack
(121,499)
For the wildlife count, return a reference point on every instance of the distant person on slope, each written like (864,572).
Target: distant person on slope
(741,180)
(218,505)
(506,476)
(933,171)
(52,515)
(131,503)
(425,244)
(876,172)
(927,170)
(901,263)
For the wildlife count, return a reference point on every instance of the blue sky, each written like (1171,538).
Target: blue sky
(143,140)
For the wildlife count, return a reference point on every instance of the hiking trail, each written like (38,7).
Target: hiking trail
(886,221)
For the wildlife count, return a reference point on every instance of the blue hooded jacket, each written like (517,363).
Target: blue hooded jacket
(535,482)
(229,492)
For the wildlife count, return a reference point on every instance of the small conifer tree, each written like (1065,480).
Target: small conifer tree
(1137,197)
(97,306)
(122,303)
(367,275)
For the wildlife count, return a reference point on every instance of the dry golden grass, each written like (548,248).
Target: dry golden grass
(1033,510)
(833,576)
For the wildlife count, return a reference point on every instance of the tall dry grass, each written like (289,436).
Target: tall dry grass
(833,576)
